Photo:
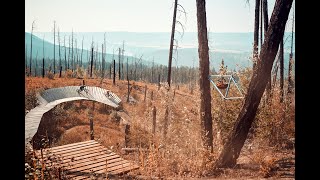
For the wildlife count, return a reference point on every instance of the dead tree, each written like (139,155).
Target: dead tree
(235,141)
(60,64)
(166,122)
(91,64)
(171,41)
(72,60)
(290,81)
(81,51)
(281,70)
(266,22)
(36,65)
(54,47)
(43,72)
(103,55)
(205,97)
(122,60)
(119,72)
(152,70)
(256,33)
(114,72)
(154,117)
(26,59)
(31,48)
(145,93)
(128,81)
(69,54)
(65,53)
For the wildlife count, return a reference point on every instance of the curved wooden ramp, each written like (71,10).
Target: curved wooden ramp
(86,159)
(52,97)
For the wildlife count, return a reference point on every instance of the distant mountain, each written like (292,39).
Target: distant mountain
(234,48)
(38,45)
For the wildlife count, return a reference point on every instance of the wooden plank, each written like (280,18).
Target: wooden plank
(85,158)
(78,153)
(71,148)
(77,164)
(79,156)
(102,163)
(74,145)
(98,167)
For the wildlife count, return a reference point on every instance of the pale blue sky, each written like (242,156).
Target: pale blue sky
(138,15)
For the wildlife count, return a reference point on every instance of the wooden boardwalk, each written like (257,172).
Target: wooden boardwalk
(52,97)
(86,159)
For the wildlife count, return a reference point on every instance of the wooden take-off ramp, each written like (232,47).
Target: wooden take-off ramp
(86,159)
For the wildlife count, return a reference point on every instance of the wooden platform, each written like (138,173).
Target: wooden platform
(85,159)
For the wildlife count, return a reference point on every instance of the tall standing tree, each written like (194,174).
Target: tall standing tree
(261,23)
(256,33)
(60,64)
(81,51)
(122,52)
(69,53)
(265,16)
(43,71)
(281,70)
(265,25)
(104,55)
(171,41)
(119,72)
(205,97)
(32,28)
(26,59)
(290,81)
(36,65)
(54,47)
(72,60)
(91,61)
(65,53)
(235,141)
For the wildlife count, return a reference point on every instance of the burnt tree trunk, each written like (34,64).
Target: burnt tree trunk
(72,51)
(290,81)
(54,47)
(281,70)
(60,64)
(103,63)
(256,33)
(114,72)
(159,79)
(266,23)
(154,117)
(166,123)
(261,23)
(205,97)
(65,54)
(43,72)
(69,54)
(171,41)
(81,52)
(30,74)
(128,81)
(91,65)
(119,70)
(238,135)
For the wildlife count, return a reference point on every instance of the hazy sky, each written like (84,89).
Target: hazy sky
(138,15)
